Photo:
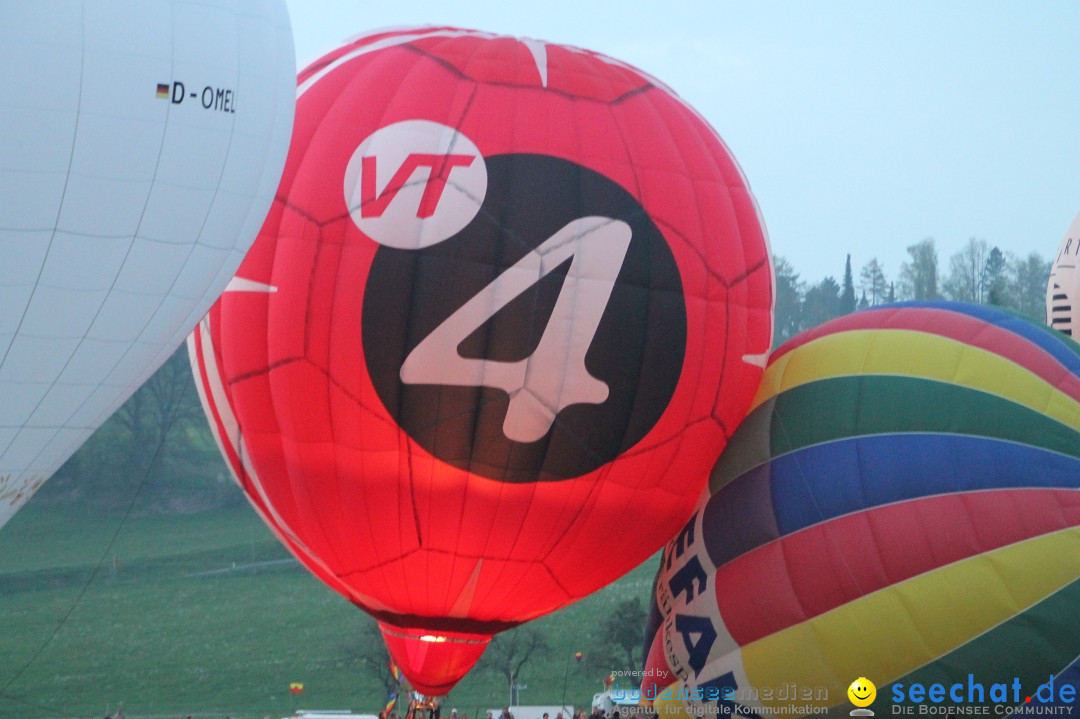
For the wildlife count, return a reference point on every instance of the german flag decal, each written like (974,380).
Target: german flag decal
(163,91)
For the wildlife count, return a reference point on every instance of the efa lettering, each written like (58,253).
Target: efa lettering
(698,637)
(374,204)
(683,541)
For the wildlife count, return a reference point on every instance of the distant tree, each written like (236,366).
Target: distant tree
(863,303)
(872,282)
(787,321)
(919,276)
(967,272)
(995,279)
(366,651)
(847,295)
(821,303)
(1027,280)
(892,293)
(160,409)
(616,641)
(150,431)
(509,653)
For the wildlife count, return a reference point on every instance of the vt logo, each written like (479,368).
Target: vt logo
(414,184)
(439,167)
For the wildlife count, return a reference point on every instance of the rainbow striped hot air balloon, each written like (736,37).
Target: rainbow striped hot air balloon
(900,504)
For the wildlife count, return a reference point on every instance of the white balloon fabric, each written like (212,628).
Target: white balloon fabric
(142,143)
(1063,288)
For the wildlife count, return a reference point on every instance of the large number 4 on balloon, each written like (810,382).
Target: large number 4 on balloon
(554,376)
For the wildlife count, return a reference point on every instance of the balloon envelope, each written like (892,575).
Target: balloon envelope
(900,504)
(1063,287)
(143,140)
(508,303)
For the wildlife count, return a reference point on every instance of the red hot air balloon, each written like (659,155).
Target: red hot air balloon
(509,303)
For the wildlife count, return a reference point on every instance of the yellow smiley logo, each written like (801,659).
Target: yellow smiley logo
(862,692)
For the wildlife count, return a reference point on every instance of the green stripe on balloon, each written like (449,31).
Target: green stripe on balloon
(945,408)
(1033,645)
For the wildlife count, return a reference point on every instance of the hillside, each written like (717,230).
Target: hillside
(206,614)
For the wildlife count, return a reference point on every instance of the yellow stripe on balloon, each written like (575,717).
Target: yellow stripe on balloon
(920,355)
(898,629)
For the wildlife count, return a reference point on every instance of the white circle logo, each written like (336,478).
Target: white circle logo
(414,184)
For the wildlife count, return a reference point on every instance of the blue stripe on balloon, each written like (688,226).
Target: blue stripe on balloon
(775,499)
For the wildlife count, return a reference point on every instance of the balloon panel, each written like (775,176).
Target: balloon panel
(143,143)
(1063,287)
(900,503)
(512,295)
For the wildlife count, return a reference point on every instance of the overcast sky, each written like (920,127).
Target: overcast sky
(863,127)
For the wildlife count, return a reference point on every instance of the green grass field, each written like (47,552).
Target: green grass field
(140,623)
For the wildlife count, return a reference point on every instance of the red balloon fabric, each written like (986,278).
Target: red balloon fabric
(509,303)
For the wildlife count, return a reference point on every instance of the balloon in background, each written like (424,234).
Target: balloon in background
(143,141)
(509,303)
(900,504)
(1063,287)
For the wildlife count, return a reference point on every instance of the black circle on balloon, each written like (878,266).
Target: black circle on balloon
(637,350)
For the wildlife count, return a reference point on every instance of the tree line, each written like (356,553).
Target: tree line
(979,273)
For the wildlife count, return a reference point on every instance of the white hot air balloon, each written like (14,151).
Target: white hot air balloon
(141,142)
(1063,288)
